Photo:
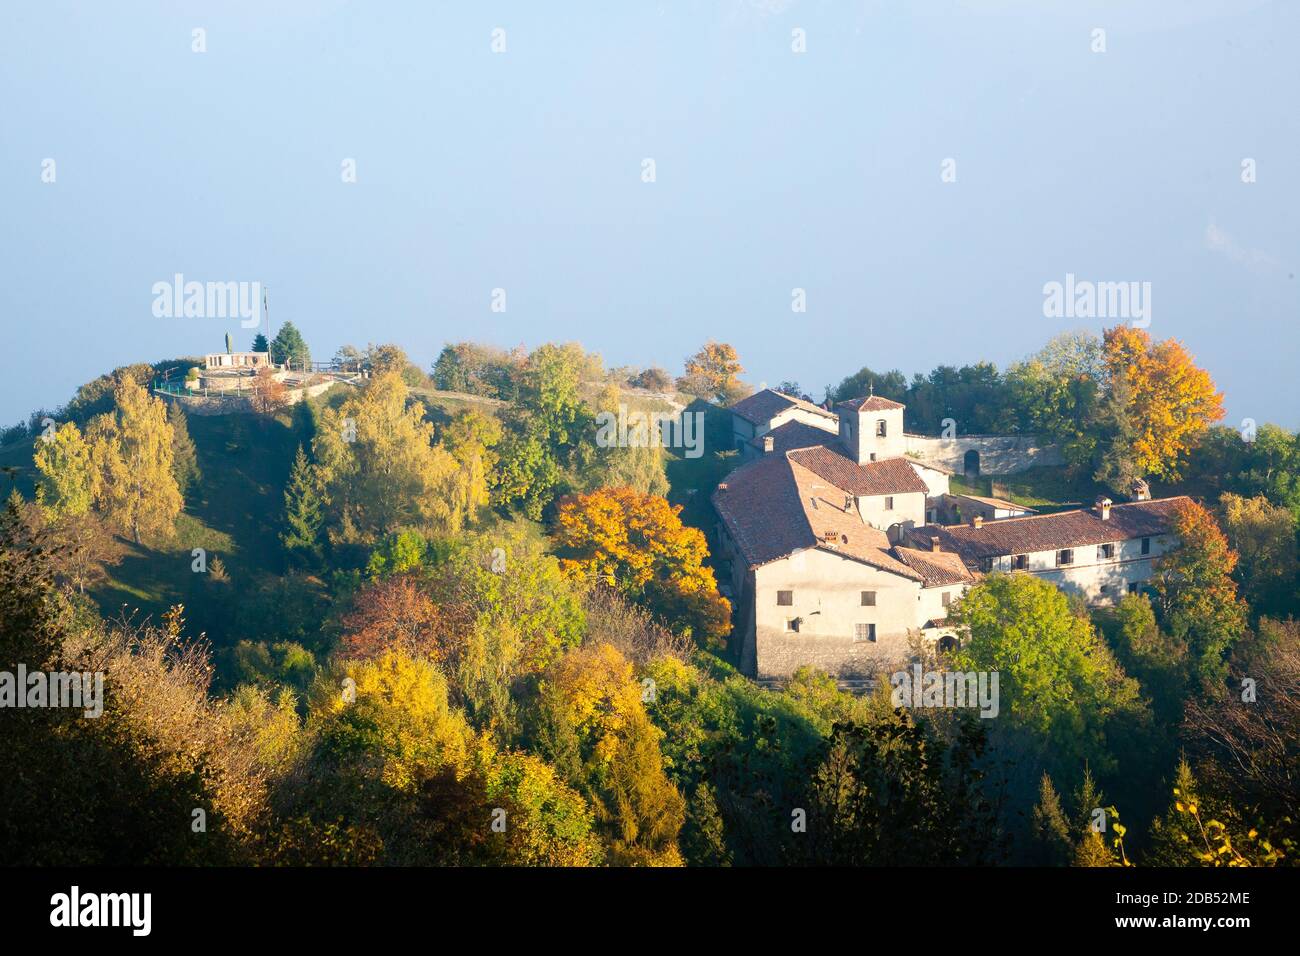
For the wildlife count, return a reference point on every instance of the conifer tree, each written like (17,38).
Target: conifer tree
(303,509)
(289,346)
(185,459)
(1053,846)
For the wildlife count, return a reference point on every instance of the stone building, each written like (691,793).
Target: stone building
(837,551)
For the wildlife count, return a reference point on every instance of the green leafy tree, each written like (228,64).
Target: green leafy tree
(1059,685)
(1264,536)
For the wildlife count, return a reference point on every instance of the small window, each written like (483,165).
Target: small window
(1019,562)
(864,632)
(792,624)
(1105,552)
(880,428)
(871,457)
(946,598)
(889,502)
(1065,556)
(784,598)
(868,598)
(1146,545)
(1132,587)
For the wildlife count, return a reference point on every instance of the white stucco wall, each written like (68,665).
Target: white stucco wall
(858,434)
(1089,573)
(936,482)
(908,507)
(827,598)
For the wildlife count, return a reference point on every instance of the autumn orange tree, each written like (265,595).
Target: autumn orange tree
(1196,593)
(269,393)
(1166,401)
(394,614)
(636,543)
(712,371)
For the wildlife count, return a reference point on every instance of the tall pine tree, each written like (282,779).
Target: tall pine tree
(303,510)
(185,459)
(289,346)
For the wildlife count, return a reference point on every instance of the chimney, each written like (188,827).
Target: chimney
(722,486)
(934,543)
(977,521)
(848,502)
(1103,507)
(1141,490)
(768,444)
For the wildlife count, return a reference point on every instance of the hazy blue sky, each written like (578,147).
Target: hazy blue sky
(775,170)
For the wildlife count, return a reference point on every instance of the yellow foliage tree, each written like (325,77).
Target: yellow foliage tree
(445,794)
(596,728)
(637,544)
(1170,402)
(381,470)
(713,371)
(131,452)
(67,475)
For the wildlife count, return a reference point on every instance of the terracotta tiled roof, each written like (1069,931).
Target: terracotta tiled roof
(761,407)
(869,403)
(796,434)
(1001,503)
(937,567)
(1051,532)
(825,511)
(890,476)
(774,507)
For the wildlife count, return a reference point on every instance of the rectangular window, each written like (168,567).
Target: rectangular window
(946,598)
(792,624)
(872,456)
(1146,545)
(880,428)
(784,598)
(1105,552)
(1132,587)
(868,598)
(864,632)
(889,502)
(1019,562)
(1064,557)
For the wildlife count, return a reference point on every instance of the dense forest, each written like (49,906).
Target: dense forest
(428,619)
